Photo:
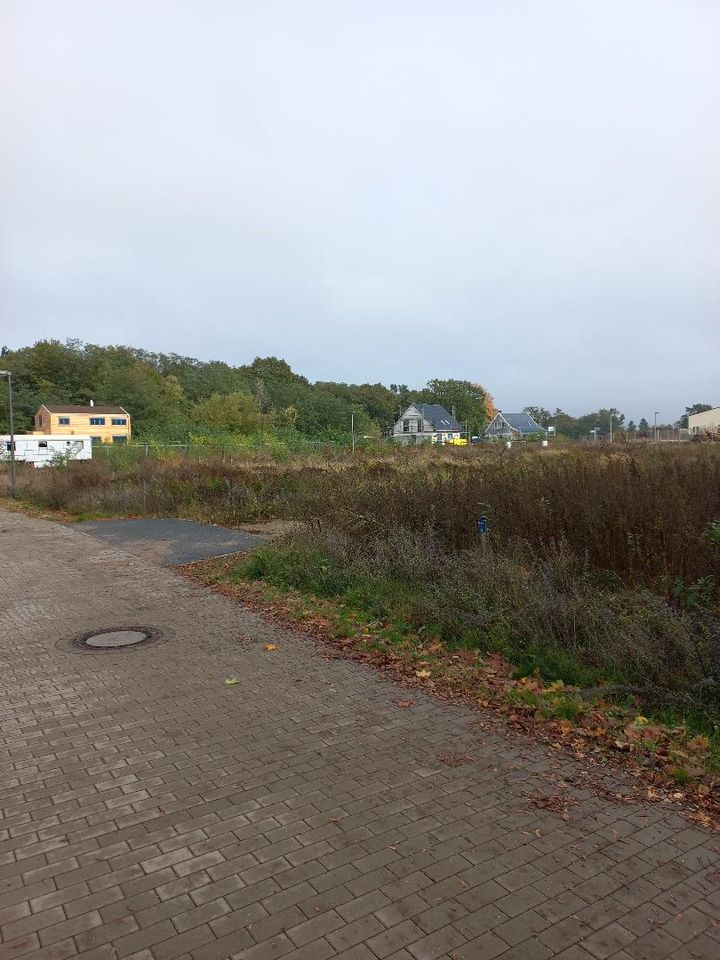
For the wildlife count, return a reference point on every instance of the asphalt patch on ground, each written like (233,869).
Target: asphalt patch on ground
(171,542)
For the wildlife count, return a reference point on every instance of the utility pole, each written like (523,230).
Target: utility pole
(655,430)
(13,478)
(611,426)
(352,430)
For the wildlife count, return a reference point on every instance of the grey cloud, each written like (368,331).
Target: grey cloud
(524,194)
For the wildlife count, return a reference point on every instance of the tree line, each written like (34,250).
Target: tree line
(580,428)
(176,398)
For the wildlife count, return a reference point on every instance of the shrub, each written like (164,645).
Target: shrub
(647,517)
(546,614)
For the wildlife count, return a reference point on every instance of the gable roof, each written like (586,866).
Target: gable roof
(439,417)
(78,408)
(522,422)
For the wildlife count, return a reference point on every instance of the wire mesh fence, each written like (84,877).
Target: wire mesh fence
(213,451)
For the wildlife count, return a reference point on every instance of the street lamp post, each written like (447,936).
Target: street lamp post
(13,479)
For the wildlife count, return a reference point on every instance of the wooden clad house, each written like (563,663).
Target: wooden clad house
(104,424)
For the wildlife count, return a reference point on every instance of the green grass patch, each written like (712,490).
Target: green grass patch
(553,664)
(562,708)
(523,697)
(681,776)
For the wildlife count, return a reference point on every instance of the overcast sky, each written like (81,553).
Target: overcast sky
(523,193)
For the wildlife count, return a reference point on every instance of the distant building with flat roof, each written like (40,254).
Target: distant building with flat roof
(706,422)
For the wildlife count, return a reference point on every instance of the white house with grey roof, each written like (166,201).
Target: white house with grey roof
(512,426)
(426,422)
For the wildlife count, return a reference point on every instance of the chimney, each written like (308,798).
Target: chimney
(92,403)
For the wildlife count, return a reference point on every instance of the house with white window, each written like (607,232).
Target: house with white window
(426,423)
(104,424)
(513,426)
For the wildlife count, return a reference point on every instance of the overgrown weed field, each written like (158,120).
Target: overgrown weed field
(601,569)
(645,515)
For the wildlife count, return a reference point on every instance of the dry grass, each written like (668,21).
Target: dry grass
(644,516)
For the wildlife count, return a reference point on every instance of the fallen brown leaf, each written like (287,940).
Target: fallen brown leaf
(454,759)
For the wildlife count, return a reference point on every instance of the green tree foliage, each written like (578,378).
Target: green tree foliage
(200,379)
(172,397)
(155,402)
(49,372)
(380,403)
(579,428)
(563,422)
(601,419)
(229,413)
(285,419)
(270,368)
(540,415)
(403,393)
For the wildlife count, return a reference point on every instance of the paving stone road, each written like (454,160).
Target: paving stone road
(152,812)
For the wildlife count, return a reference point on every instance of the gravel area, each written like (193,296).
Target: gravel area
(171,541)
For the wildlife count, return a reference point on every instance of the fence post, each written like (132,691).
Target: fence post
(482,530)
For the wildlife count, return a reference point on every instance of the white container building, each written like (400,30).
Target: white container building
(42,449)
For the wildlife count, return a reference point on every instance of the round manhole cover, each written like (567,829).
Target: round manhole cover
(116,639)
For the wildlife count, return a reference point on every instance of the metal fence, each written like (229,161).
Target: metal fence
(212,451)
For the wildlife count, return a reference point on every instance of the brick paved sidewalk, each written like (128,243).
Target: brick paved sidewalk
(152,812)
